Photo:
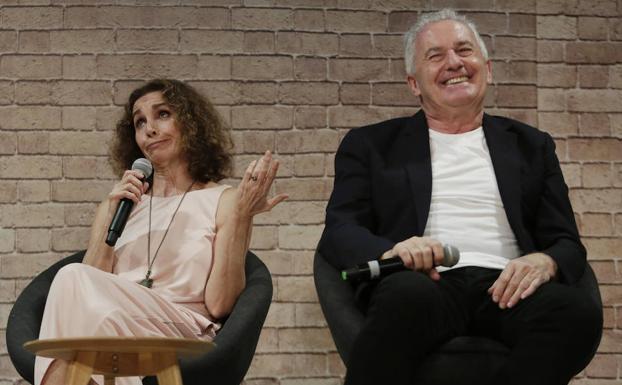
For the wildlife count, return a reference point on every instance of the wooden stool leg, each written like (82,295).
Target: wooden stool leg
(170,375)
(80,369)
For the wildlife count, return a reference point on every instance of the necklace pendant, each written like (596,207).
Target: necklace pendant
(147,282)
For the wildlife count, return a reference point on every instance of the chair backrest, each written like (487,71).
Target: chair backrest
(225,365)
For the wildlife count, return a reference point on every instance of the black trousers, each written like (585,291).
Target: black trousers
(408,316)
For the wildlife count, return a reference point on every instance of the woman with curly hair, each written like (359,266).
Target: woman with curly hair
(178,267)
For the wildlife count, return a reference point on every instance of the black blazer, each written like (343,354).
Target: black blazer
(383,187)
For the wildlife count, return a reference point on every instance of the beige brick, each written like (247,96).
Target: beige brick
(310,117)
(401,21)
(557,75)
(262,67)
(287,365)
(497,23)
(262,18)
(521,24)
(551,99)
(321,44)
(264,238)
(81,167)
(304,189)
(593,52)
(30,66)
(356,116)
(557,27)
(355,45)
(70,239)
(79,214)
(29,167)
(146,40)
(33,240)
(593,76)
(309,20)
(82,41)
(7,92)
(596,200)
(516,72)
(308,68)
(299,237)
(259,42)
(33,190)
(605,149)
(34,41)
(106,117)
(356,70)
(388,46)
(307,141)
(596,224)
(8,143)
(615,28)
(517,96)
(146,16)
(393,94)
(122,90)
(262,117)
(8,41)
(597,175)
(572,174)
(219,93)
(618,224)
(258,143)
(8,293)
(280,314)
(615,76)
(8,191)
(309,314)
(355,21)
(577,7)
(268,341)
(7,241)
(521,48)
(308,93)
(31,215)
(33,92)
(80,190)
(32,17)
(309,165)
(594,125)
(335,365)
(79,143)
(558,123)
(355,93)
(603,366)
(214,67)
(584,100)
(146,66)
(550,51)
(82,93)
(296,289)
(305,340)
(79,118)
(25,265)
(592,28)
(605,271)
(278,262)
(207,41)
(79,67)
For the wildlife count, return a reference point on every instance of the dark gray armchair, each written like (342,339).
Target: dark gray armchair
(227,364)
(463,360)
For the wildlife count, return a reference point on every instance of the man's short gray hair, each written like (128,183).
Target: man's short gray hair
(444,14)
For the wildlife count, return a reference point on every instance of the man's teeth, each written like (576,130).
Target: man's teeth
(457,80)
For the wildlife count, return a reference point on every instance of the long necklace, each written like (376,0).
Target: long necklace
(148,281)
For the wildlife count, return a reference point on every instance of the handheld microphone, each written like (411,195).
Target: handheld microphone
(125,205)
(380,268)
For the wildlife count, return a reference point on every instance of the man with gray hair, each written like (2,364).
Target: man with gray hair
(489,185)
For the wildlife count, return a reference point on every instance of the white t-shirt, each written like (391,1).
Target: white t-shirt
(466,209)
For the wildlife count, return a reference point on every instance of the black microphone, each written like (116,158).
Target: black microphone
(125,205)
(383,267)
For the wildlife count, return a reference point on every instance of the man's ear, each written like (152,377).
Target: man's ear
(412,84)
(489,75)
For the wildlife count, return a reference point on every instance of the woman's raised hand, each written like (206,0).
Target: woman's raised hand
(130,186)
(255,186)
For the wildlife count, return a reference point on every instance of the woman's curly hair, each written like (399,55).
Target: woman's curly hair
(205,139)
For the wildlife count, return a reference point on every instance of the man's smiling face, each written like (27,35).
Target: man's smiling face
(450,69)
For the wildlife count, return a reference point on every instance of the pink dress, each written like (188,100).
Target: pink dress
(85,301)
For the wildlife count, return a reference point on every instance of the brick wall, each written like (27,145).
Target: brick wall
(291,76)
